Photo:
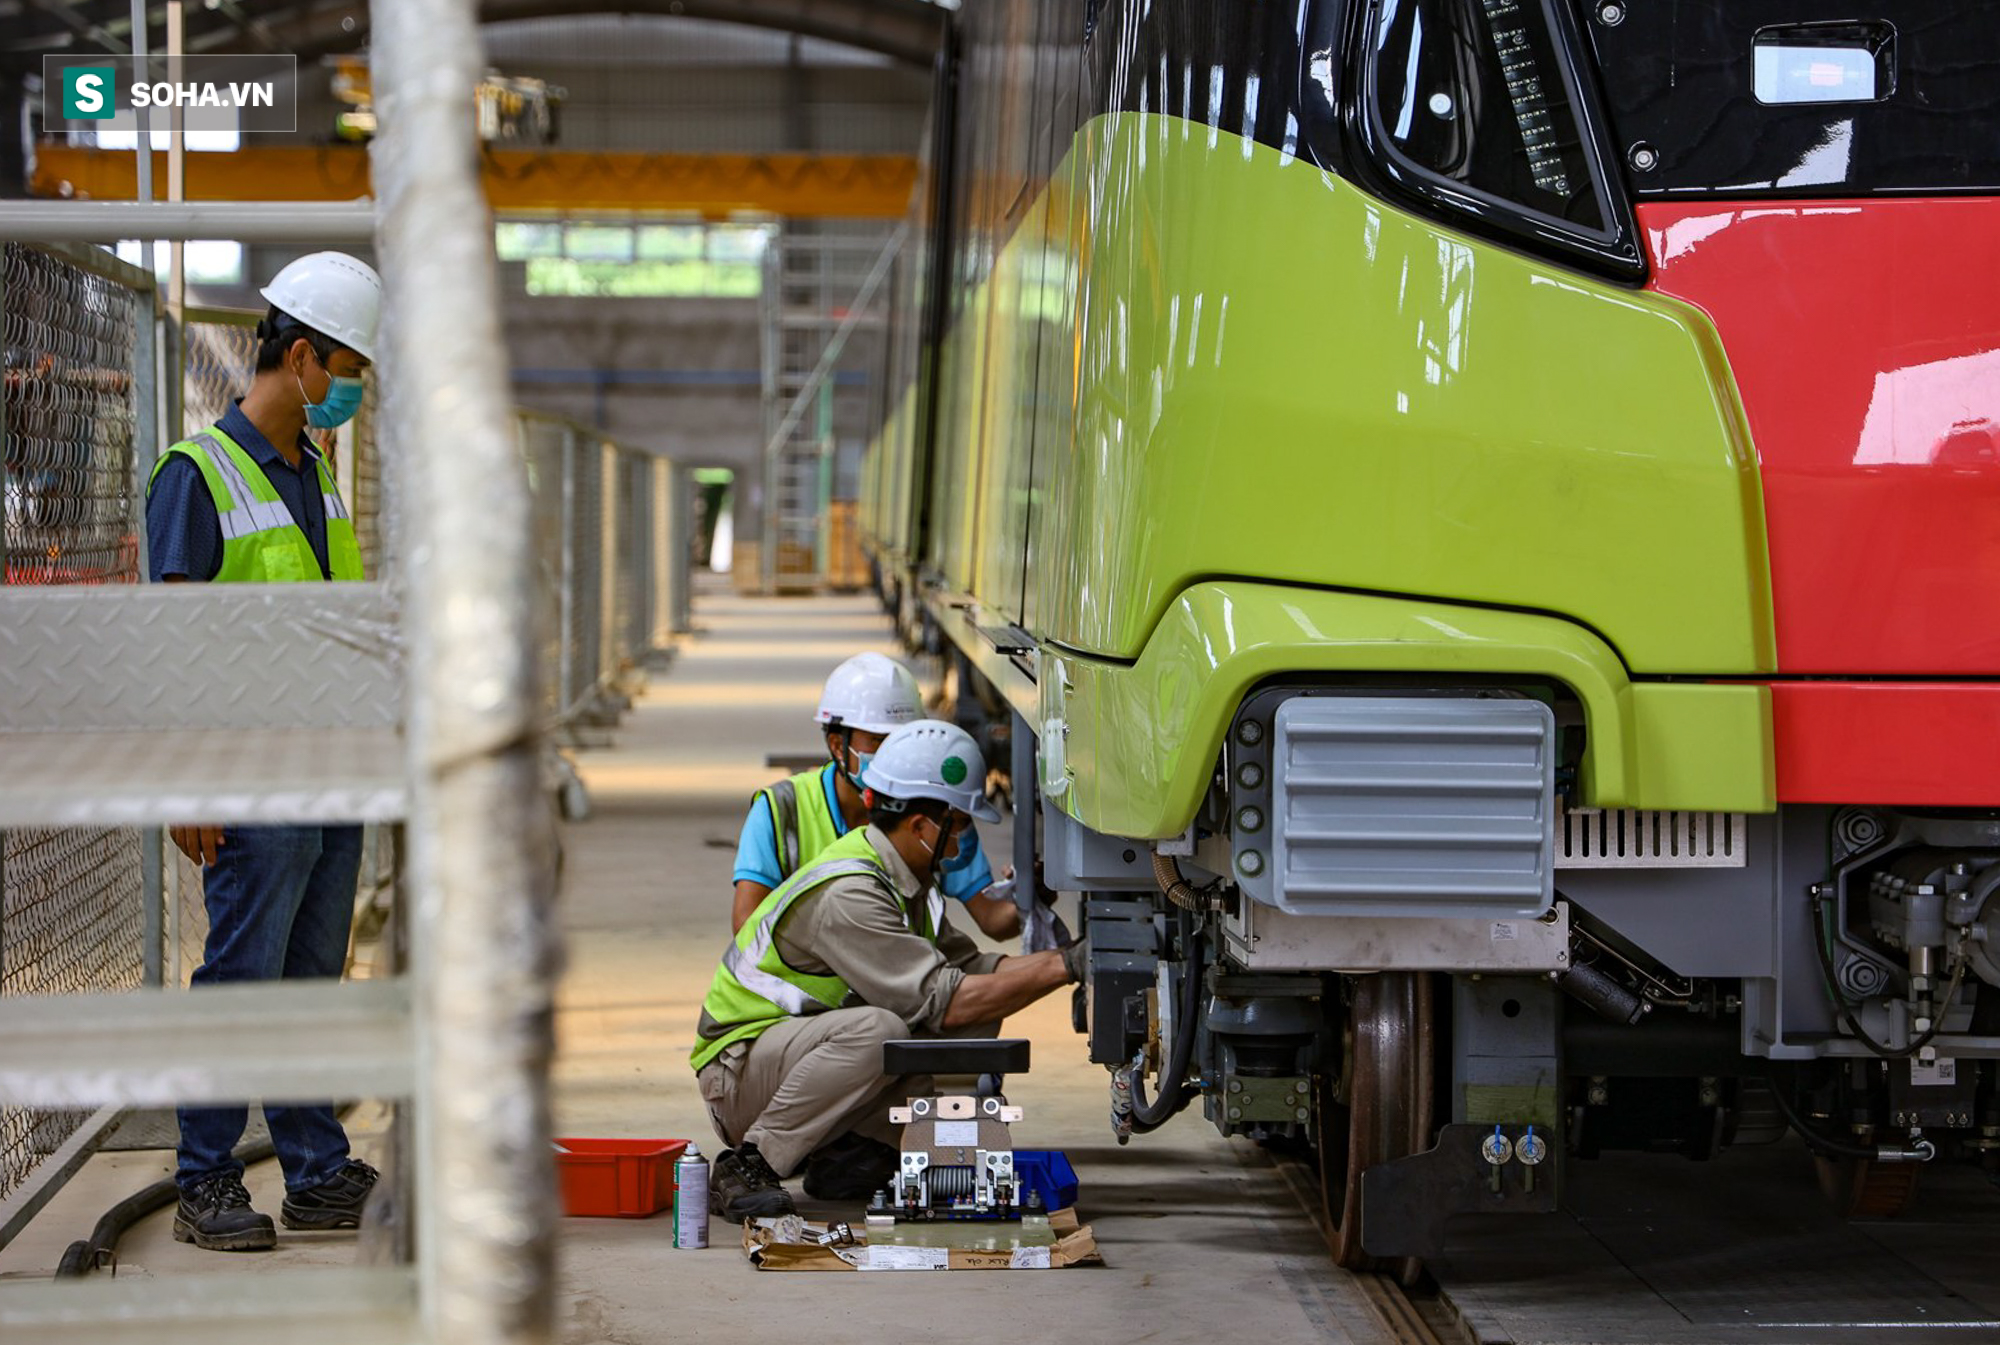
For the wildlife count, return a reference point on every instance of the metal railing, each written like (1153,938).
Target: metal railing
(419,700)
(77,369)
(610,540)
(611,528)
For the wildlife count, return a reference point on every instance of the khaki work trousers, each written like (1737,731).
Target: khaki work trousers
(809,1080)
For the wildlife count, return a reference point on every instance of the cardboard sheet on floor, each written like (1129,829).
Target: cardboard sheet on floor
(1074,1246)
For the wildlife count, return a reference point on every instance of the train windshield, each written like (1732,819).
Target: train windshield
(1474,92)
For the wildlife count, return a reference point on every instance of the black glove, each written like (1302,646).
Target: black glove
(1076,959)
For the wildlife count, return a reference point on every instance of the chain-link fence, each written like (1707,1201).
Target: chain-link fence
(610,564)
(78,356)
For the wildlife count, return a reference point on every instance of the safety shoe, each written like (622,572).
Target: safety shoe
(744,1187)
(852,1167)
(215,1214)
(335,1202)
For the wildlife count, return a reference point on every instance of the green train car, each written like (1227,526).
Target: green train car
(1480,518)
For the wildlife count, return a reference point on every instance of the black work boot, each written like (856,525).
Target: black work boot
(215,1214)
(745,1187)
(335,1202)
(852,1167)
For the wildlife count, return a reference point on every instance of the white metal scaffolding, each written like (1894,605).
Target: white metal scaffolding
(427,705)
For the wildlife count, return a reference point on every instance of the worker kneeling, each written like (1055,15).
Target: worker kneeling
(848,953)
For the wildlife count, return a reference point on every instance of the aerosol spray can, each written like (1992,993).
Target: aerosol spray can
(691,1199)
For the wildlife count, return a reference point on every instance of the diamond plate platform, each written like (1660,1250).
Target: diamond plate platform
(228,1043)
(133,779)
(319,1307)
(173,657)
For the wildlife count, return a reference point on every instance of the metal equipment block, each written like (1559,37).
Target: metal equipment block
(226,1043)
(1392,806)
(1263,938)
(956,1055)
(1077,859)
(1405,1205)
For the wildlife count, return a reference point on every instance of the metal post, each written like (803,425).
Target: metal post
(566,593)
(152,950)
(480,830)
(680,617)
(176,164)
(142,146)
(1026,813)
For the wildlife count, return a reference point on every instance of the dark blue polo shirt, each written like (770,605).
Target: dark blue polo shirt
(184,536)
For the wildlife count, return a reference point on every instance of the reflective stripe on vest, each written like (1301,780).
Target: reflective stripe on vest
(803,823)
(754,988)
(261,541)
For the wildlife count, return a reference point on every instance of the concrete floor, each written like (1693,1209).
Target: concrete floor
(1202,1238)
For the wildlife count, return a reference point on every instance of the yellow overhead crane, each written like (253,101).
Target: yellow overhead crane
(798,186)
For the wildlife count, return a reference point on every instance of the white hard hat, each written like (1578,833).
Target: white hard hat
(334,294)
(870,692)
(931,759)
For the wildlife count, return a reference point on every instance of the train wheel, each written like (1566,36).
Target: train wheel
(1375,1104)
(1860,1189)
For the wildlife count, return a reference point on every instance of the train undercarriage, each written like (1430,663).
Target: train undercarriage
(1685,982)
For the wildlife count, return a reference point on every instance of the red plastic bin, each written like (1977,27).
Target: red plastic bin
(617,1179)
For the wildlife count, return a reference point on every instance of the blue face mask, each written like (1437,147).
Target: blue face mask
(861,760)
(342,400)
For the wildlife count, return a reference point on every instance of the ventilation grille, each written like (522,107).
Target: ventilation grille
(1625,838)
(1429,806)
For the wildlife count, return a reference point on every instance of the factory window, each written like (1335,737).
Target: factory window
(607,260)
(208,261)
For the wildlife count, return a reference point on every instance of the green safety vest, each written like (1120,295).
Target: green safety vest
(261,544)
(754,988)
(802,822)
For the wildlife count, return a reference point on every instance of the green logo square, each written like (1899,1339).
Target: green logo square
(90,92)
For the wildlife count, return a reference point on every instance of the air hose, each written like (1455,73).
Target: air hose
(101,1247)
(1174,1094)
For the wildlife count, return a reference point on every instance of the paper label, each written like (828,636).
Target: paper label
(957,1135)
(1940,1071)
(1503,930)
(907,1258)
(1031,1258)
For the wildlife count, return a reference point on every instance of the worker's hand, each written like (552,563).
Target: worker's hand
(1076,959)
(203,845)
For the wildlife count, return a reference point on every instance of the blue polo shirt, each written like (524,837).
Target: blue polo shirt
(183,534)
(962,877)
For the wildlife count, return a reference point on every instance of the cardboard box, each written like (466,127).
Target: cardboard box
(1075,1246)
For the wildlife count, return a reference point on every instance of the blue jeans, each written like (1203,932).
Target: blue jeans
(280,900)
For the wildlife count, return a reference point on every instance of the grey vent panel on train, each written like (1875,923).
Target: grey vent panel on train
(1413,806)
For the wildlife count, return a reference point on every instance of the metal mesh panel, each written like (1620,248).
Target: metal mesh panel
(587,523)
(543,455)
(70,899)
(631,599)
(221,357)
(366,499)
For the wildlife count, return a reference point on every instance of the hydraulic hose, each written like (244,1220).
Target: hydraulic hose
(1167,874)
(82,1257)
(1174,1094)
(85,1255)
(1917,1151)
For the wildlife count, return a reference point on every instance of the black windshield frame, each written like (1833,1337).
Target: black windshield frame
(1611,250)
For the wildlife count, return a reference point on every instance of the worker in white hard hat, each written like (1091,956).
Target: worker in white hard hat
(852,951)
(250,500)
(795,819)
